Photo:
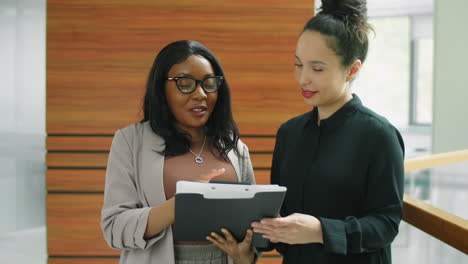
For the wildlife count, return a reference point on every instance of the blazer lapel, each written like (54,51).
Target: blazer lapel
(152,166)
(235,163)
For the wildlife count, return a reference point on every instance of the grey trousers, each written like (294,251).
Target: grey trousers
(199,254)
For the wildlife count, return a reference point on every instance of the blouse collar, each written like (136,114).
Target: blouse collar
(337,118)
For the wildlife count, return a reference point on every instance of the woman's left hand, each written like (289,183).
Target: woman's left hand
(240,252)
(292,229)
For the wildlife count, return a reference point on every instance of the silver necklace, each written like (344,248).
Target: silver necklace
(199,159)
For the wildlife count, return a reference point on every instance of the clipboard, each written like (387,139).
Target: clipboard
(202,208)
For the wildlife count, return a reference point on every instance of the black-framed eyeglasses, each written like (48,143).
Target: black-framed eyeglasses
(187,84)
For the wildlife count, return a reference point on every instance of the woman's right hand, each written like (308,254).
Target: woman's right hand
(162,216)
(241,252)
(292,229)
(207,177)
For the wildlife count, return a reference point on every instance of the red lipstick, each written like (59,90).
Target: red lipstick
(308,94)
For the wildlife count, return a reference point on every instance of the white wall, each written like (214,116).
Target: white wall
(450,119)
(22,109)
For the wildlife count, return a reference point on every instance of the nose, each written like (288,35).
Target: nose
(303,78)
(199,93)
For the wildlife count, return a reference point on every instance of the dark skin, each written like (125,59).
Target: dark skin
(240,252)
(192,111)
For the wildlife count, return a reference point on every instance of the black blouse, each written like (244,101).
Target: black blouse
(348,172)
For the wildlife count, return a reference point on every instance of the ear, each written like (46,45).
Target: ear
(353,70)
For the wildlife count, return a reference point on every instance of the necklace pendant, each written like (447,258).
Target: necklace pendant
(198,160)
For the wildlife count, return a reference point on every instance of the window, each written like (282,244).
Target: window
(384,81)
(421,71)
(396,79)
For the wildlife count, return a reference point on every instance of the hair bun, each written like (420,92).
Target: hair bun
(344,8)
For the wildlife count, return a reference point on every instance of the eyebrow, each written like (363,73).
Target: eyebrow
(183,74)
(314,61)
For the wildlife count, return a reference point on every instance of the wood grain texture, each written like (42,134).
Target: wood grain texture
(270,260)
(103,143)
(83,260)
(78,143)
(76,180)
(73,225)
(262,176)
(264,260)
(99,160)
(272,253)
(99,54)
(256,144)
(78,160)
(69,180)
(438,223)
(261,160)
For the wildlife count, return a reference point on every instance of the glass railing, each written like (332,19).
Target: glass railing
(435,210)
(415,246)
(445,187)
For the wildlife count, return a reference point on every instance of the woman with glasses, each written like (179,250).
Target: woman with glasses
(187,133)
(341,162)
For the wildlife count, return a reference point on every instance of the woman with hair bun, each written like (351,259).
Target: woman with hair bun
(341,162)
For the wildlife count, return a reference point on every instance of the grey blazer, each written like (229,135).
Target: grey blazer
(134,184)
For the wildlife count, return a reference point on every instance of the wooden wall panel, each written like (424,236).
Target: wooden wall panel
(86,143)
(85,260)
(270,260)
(69,180)
(99,160)
(72,180)
(73,225)
(259,144)
(264,260)
(76,160)
(99,53)
(103,143)
(262,176)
